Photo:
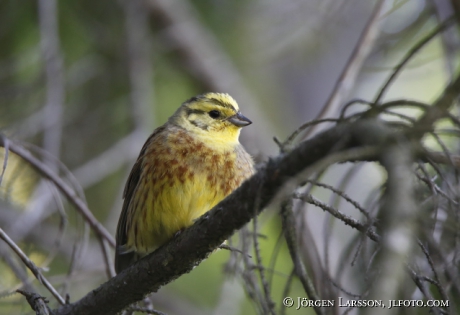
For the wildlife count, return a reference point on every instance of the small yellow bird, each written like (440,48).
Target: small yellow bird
(185,168)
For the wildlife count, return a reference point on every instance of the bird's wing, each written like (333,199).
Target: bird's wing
(126,256)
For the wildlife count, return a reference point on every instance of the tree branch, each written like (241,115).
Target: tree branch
(187,250)
(71,195)
(184,252)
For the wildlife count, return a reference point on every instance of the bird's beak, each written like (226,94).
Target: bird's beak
(239,120)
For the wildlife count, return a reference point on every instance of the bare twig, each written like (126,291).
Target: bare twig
(286,290)
(418,282)
(144,310)
(437,281)
(343,217)
(287,145)
(29,263)
(19,271)
(37,303)
(343,195)
(5,157)
(288,222)
(49,41)
(65,189)
(399,215)
(140,64)
(449,38)
(349,74)
(106,254)
(44,236)
(101,166)
(249,278)
(269,305)
(410,54)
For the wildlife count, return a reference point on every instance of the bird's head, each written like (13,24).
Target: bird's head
(211,117)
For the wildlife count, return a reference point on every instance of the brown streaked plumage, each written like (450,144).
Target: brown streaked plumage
(184,169)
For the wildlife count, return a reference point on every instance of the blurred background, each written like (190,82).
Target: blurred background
(83,84)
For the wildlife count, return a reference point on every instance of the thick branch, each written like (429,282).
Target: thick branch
(187,250)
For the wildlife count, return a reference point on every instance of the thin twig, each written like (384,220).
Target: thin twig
(339,215)
(18,269)
(287,288)
(288,222)
(409,56)
(144,310)
(347,78)
(138,43)
(79,204)
(5,156)
(248,276)
(286,145)
(55,90)
(343,195)
(32,267)
(274,256)
(268,301)
(433,269)
(108,162)
(106,254)
(420,285)
(399,214)
(36,302)
(233,249)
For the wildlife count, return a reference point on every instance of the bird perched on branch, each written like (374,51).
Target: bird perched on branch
(185,168)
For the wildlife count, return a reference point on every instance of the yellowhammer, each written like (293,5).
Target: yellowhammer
(184,169)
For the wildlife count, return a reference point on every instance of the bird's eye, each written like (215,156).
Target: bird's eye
(214,114)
